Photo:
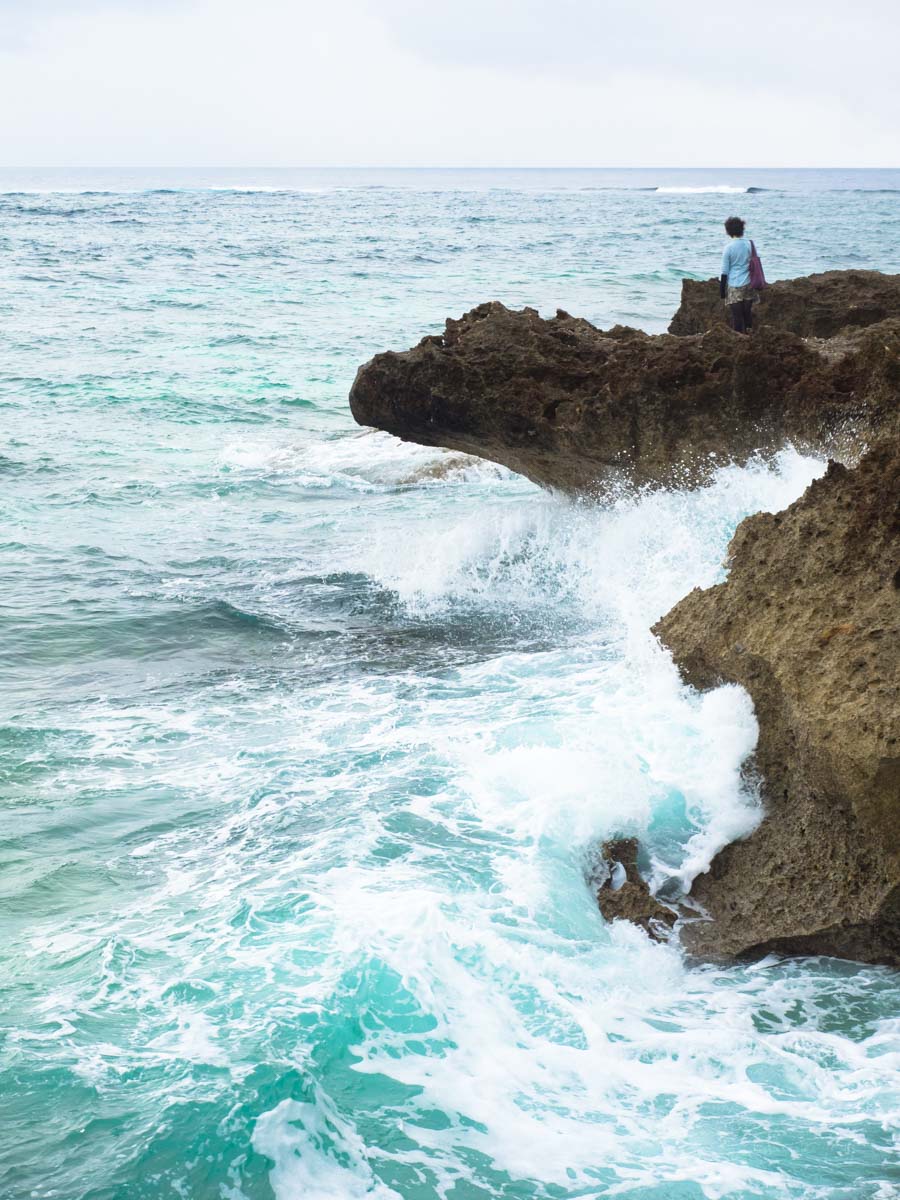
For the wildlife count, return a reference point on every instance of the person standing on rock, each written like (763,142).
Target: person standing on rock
(734,282)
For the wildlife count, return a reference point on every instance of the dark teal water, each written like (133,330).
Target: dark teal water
(309,737)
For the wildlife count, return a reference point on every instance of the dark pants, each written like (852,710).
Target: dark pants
(742,316)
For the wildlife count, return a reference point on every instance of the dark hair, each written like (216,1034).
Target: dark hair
(734,227)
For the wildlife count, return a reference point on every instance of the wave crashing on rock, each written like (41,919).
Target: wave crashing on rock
(807,620)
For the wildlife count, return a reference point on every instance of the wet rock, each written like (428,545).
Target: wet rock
(625,896)
(817,306)
(808,622)
(577,409)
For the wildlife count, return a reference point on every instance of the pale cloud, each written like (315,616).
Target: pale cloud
(481,83)
(22,22)
(824,44)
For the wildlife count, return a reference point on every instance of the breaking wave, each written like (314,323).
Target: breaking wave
(701,189)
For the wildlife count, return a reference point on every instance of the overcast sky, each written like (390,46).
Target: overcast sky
(130,83)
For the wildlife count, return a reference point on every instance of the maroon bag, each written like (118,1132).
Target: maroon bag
(757,278)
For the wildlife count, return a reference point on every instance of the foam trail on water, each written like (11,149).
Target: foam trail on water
(367,461)
(317,1156)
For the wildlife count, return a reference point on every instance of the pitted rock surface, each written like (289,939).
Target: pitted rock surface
(814,306)
(632,901)
(582,410)
(808,622)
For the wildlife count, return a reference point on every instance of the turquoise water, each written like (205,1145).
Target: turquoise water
(309,737)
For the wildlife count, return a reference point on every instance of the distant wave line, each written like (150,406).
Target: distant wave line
(247,189)
(265,189)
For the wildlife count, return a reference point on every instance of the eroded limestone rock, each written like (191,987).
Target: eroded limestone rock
(808,621)
(575,408)
(816,306)
(629,898)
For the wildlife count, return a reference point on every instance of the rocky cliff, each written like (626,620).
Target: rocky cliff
(576,408)
(809,623)
(807,620)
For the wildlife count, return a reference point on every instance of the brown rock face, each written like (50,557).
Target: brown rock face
(809,623)
(807,620)
(632,899)
(818,306)
(575,408)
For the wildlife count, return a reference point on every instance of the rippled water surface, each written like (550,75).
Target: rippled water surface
(309,737)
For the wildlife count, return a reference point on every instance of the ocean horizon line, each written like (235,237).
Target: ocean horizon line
(408,167)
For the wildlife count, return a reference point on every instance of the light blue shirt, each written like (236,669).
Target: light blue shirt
(736,262)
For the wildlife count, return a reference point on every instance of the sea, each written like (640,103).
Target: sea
(309,738)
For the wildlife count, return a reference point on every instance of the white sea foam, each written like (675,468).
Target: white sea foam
(366,461)
(627,563)
(317,1154)
(551,1056)
(725,188)
(194,1039)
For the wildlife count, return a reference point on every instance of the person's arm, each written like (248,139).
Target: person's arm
(723,278)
